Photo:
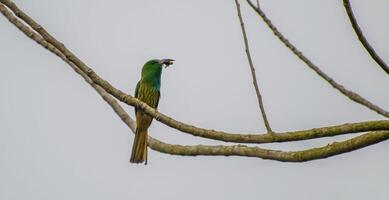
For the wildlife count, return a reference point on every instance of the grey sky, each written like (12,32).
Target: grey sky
(59,140)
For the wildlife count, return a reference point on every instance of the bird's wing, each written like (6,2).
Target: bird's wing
(147,94)
(158,97)
(136,94)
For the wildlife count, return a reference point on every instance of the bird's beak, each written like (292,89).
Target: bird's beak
(167,62)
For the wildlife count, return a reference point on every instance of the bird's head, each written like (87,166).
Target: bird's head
(158,63)
(153,68)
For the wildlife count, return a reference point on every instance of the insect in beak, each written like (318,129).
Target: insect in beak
(167,62)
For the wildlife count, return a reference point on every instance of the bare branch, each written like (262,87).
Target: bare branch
(254,76)
(329,150)
(350,94)
(211,134)
(36,37)
(237,150)
(362,38)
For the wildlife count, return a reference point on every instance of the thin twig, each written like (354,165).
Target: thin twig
(220,135)
(362,38)
(237,150)
(254,76)
(350,94)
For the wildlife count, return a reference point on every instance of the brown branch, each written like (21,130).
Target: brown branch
(350,94)
(329,150)
(37,38)
(158,145)
(237,150)
(362,38)
(230,137)
(253,75)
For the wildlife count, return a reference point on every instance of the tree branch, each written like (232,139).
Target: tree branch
(350,94)
(212,134)
(329,150)
(253,75)
(236,150)
(362,38)
(37,38)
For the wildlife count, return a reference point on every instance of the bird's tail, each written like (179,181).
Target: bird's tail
(139,147)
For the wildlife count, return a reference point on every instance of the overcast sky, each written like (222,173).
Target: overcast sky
(60,140)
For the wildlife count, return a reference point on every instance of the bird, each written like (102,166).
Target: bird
(148,91)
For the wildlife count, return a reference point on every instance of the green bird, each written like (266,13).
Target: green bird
(148,91)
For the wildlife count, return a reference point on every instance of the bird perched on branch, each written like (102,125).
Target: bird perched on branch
(148,91)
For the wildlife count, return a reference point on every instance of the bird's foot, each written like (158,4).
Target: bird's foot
(158,117)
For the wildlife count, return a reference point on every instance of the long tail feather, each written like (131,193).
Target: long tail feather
(139,147)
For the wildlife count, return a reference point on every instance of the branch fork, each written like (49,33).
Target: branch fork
(377,131)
